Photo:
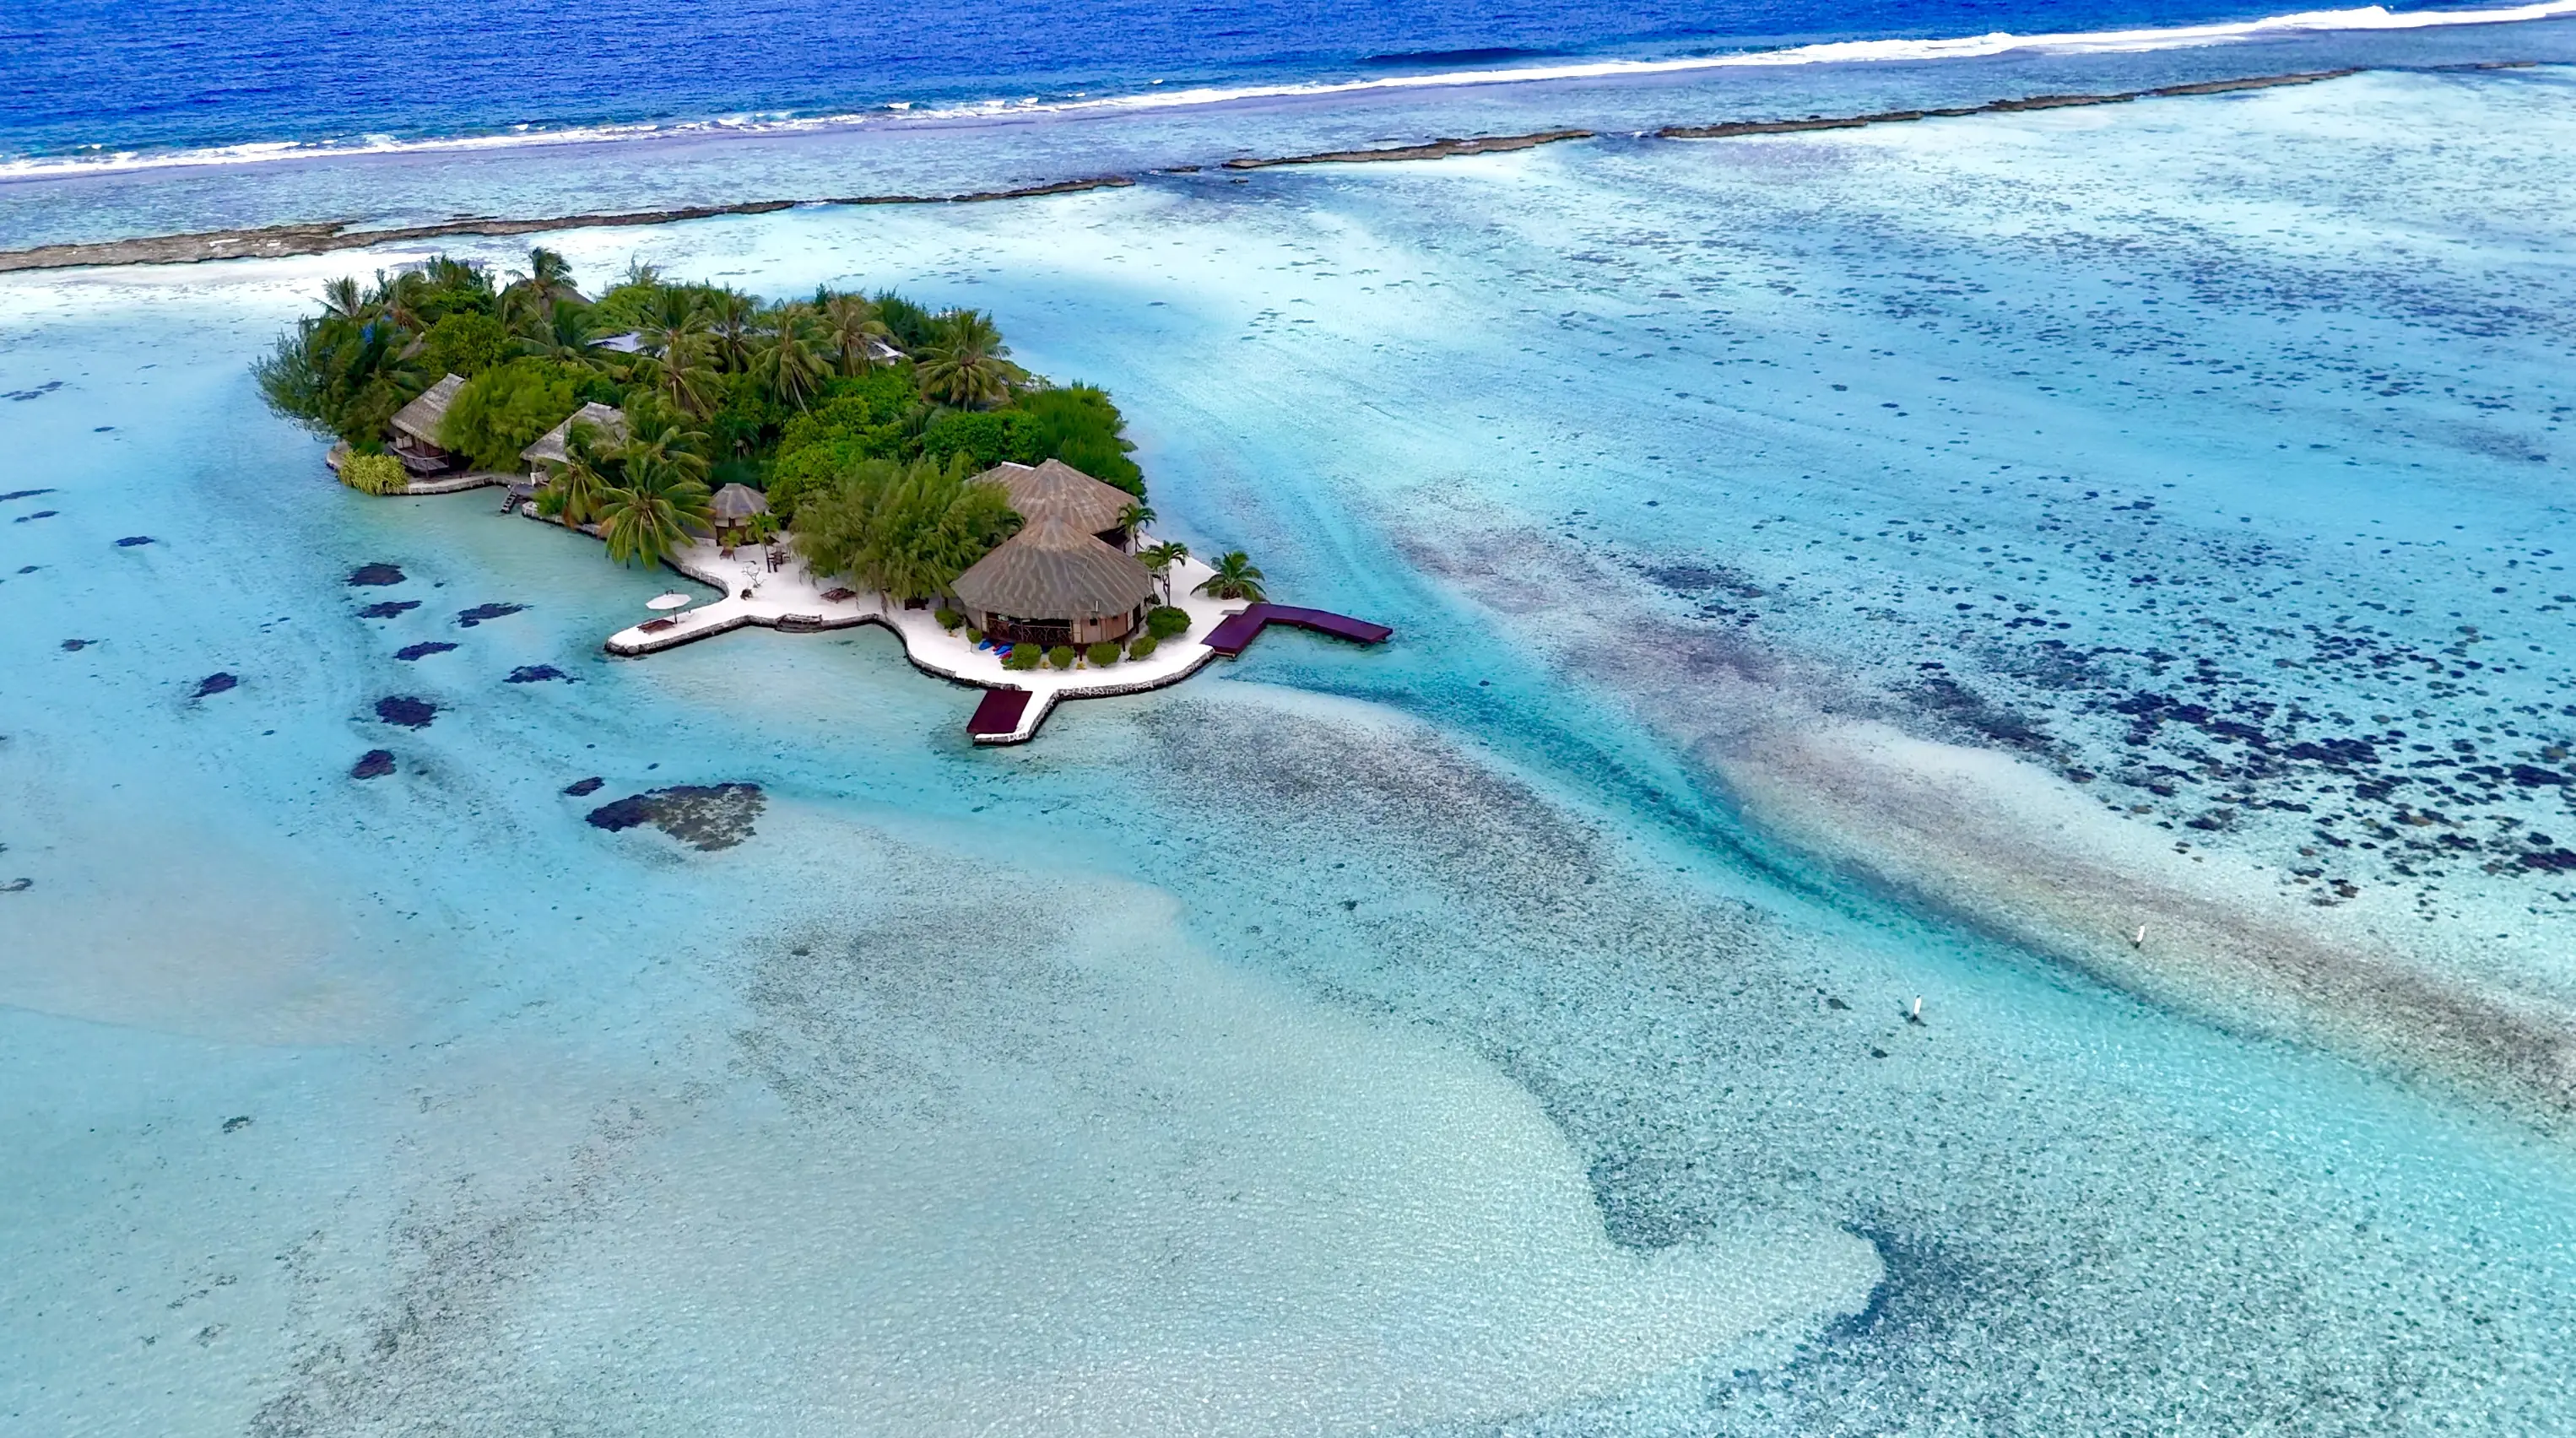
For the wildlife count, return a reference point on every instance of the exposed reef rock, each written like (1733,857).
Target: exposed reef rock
(404,709)
(704,816)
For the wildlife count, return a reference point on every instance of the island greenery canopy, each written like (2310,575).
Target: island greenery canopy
(862,419)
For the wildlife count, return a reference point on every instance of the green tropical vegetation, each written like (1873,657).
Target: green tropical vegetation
(906,530)
(1159,560)
(863,418)
(1234,577)
(373,473)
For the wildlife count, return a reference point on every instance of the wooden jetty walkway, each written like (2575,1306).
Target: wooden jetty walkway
(1231,637)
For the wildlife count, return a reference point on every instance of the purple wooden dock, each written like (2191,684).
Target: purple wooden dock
(999,714)
(1237,631)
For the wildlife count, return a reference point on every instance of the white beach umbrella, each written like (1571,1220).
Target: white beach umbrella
(670,601)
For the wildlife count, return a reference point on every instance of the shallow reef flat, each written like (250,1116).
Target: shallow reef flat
(1831,569)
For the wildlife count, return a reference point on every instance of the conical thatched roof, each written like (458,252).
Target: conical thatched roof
(554,446)
(420,418)
(1057,490)
(1053,570)
(737,502)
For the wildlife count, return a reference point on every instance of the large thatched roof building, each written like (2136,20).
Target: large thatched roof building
(1057,490)
(414,428)
(553,449)
(1054,583)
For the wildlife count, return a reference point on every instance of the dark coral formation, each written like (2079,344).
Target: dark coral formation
(703,816)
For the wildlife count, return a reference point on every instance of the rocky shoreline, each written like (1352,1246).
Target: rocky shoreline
(276,241)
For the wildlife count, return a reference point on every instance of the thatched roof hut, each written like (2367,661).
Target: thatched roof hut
(737,502)
(415,425)
(555,445)
(1054,583)
(420,418)
(1057,490)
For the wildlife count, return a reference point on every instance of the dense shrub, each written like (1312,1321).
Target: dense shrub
(985,437)
(1142,645)
(1166,622)
(912,325)
(502,411)
(1061,656)
(1022,656)
(340,376)
(1078,424)
(466,344)
(373,473)
(974,635)
(949,619)
(1102,654)
(817,469)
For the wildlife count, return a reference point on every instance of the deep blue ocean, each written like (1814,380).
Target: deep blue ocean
(88,75)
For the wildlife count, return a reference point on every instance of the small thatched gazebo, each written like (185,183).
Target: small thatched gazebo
(1057,490)
(733,507)
(414,428)
(1053,583)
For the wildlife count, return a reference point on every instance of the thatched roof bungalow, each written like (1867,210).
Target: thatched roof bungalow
(1053,583)
(553,449)
(414,428)
(1057,490)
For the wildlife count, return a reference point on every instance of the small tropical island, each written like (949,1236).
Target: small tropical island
(822,462)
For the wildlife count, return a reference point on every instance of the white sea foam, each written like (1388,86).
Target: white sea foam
(910,113)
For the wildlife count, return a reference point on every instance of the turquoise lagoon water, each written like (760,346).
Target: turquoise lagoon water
(1825,568)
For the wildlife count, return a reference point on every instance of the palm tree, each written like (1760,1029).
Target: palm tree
(674,319)
(659,444)
(549,274)
(1134,518)
(854,330)
(580,489)
(1235,578)
(343,298)
(967,364)
(398,297)
(561,331)
(537,289)
(446,272)
(682,376)
(791,362)
(733,319)
(653,518)
(1161,560)
(662,506)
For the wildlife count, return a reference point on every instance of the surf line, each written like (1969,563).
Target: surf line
(321,237)
(1733,128)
